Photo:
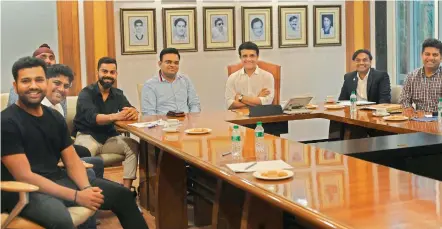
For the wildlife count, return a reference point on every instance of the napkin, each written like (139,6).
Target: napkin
(149,124)
(261,165)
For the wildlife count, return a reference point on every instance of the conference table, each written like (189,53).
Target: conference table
(329,189)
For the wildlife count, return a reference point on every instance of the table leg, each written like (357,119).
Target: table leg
(259,214)
(227,208)
(171,188)
(143,187)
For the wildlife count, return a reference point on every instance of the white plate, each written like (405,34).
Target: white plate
(258,174)
(170,130)
(198,131)
(334,107)
(396,118)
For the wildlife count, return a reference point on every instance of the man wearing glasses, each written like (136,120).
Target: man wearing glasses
(219,31)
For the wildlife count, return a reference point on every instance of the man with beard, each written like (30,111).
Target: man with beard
(45,53)
(34,139)
(98,106)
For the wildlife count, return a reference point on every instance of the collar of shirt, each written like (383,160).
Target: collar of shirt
(256,72)
(98,92)
(436,73)
(56,107)
(366,76)
(162,79)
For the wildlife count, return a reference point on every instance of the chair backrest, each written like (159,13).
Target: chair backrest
(139,90)
(395,93)
(71,102)
(4,100)
(274,69)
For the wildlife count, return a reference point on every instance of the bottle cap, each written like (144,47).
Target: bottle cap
(235,127)
(353,92)
(259,123)
(440,99)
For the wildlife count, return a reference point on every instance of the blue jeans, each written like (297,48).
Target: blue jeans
(98,168)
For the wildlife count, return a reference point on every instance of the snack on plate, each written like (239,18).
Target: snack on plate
(274,173)
(198,130)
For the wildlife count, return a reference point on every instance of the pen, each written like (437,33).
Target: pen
(225,154)
(250,166)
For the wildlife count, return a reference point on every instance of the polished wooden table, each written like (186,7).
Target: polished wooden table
(328,190)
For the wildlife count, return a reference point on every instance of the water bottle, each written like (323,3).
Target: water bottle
(236,142)
(439,112)
(259,142)
(353,100)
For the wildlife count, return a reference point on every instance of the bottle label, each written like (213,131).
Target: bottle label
(236,138)
(259,134)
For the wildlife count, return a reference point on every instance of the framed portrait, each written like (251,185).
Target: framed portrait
(219,28)
(257,26)
(179,29)
(138,31)
(293,26)
(327,25)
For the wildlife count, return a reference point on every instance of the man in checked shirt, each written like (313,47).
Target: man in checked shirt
(423,86)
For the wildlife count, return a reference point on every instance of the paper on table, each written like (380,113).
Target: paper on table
(261,165)
(148,124)
(358,103)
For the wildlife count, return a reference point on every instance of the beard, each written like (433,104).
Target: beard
(106,85)
(28,102)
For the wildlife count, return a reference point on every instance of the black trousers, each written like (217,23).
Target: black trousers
(51,212)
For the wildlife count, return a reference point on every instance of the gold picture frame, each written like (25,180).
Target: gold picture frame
(180,29)
(138,31)
(327,23)
(293,26)
(257,26)
(219,28)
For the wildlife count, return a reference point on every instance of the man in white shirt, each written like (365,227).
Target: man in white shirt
(249,86)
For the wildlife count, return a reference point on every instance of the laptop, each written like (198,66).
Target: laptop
(296,105)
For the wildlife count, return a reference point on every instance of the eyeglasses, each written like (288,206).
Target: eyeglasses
(220,24)
(58,83)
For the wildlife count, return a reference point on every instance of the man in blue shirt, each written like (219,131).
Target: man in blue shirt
(169,90)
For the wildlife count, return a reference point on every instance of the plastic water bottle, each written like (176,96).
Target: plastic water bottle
(236,142)
(259,142)
(353,100)
(439,112)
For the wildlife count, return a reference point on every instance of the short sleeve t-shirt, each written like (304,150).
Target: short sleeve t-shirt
(41,139)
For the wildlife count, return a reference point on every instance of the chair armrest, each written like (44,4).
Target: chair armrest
(86,165)
(15,186)
(23,189)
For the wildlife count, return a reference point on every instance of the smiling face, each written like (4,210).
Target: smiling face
(58,88)
(294,23)
(431,57)
(30,86)
(249,58)
(170,64)
(362,62)
(107,74)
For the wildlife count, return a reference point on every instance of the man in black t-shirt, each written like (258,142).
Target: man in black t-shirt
(34,138)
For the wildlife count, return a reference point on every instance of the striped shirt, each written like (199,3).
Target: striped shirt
(160,96)
(421,90)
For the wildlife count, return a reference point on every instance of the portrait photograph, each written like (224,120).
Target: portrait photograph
(293,26)
(257,26)
(179,28)
(138,31)
(327,25)
(219,28)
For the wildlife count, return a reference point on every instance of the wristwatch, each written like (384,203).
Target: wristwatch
(240,98)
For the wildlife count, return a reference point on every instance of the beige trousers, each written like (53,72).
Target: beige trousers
(120,145)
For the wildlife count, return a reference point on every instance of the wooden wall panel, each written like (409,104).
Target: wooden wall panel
(99,34)
(357,29)
(69,40)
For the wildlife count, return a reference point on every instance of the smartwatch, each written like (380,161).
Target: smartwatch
(240,98)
